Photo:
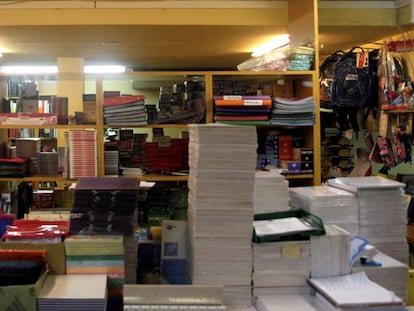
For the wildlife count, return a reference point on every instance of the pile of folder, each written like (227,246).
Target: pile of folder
(125,110)
(73,292)
(242,108)
(332,205)
(294,112)
(220,213)
(82,153)
(382,212)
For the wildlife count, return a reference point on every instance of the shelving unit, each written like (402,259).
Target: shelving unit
(302,28)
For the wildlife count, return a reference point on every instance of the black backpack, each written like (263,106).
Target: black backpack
(355,83)
(326,76)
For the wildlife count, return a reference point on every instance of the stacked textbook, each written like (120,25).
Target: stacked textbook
(222,161)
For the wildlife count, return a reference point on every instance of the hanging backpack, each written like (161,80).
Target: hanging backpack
(326,75)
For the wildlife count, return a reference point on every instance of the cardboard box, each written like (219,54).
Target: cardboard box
(56,257)
(21,297)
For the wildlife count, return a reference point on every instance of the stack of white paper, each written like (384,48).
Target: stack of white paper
(222,160)
(271,192)
(73,292)
(332,205)
(330,253)
(382,212)
(391,274)
(281,267)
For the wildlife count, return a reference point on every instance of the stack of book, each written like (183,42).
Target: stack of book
(332,205)
(222,162)
(242,108)
(47,163)
(293,111)
(82,154)
(382,212)
(125,110)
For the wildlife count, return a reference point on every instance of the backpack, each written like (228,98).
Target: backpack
(326,75)
(353,84)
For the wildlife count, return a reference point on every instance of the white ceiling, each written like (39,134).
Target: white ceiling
(157,47)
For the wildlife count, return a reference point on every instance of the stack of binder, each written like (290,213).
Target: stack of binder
(82,153)
(222,161)
(271,192)
(73,292)
(334,206)
(382,212)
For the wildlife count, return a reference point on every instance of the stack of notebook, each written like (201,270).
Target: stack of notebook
(332,205)
(97,254)
(125,110)
(220,213)
(293,111)
(382,212)
(281,267)
(242,108)
(330,253)
(271,192)
(73,292)
(111,159)
(82,153)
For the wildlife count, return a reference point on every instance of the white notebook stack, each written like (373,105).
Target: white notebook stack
(281,267)
(271,192)
(73,292)
(382,212)
(222,160)
(283,302)
(330,253)
(332,205)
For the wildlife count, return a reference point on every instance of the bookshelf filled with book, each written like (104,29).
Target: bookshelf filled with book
(164,102)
